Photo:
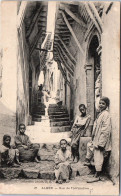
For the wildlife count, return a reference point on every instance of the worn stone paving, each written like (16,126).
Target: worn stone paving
(77,186)
(42,170)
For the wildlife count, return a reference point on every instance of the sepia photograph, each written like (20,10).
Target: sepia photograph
(60,97)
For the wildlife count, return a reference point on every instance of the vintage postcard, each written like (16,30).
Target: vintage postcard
(59,97)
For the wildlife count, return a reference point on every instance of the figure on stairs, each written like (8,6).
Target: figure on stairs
(78,130)
(62,163)
(27,150)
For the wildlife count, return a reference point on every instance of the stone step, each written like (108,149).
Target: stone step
(40,108)
(37,119)
(56,109)
(53,105)
(60,129)
(31,170)
(41,118)
(43,170)
(58,116)
(37,116)
(59,119)
(61,123)
(39,112)
(57,113)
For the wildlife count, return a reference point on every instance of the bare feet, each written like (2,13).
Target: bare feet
(60,181)
(36,160)
(67,181)
(76,160)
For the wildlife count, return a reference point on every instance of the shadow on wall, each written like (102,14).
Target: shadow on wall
(7,121)
(20,114)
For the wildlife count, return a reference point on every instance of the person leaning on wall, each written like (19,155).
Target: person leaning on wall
(100,146)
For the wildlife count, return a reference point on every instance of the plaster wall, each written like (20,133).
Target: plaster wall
(111,76)
(8,42)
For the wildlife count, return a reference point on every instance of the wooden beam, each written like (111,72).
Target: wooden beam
(35,42)
(72,32)
(95,12)
(67,49)
(65,35)
(62,23)
(64,38)
(92,17)
(73,65)
(31,27)
(74,17)
(63,73)
(108,7)
(64,62)
(61,32)
(61,20)
(67,58)
(61,27)
(40,49)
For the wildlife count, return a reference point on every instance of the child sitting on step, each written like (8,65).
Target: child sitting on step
(9,156)
(27,150)
(62,163)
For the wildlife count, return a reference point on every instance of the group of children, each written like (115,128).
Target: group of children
(97,148)
(22,150)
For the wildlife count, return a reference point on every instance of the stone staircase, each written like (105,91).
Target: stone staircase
(57,119)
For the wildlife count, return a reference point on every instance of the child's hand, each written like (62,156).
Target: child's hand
(25,147)
(13,146)
(57,167)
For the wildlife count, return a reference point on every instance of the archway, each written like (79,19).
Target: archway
(93,77)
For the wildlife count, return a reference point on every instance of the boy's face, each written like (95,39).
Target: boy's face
(63,145)
(82,110)
(102,105)
(22,129)
(7,141)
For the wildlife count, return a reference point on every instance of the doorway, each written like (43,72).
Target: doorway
(93,77)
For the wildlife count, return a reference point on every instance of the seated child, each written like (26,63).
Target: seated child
(62,163)
(27,150)
(9,155)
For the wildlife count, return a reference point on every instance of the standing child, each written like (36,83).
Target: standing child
(100,146)
(79,128)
